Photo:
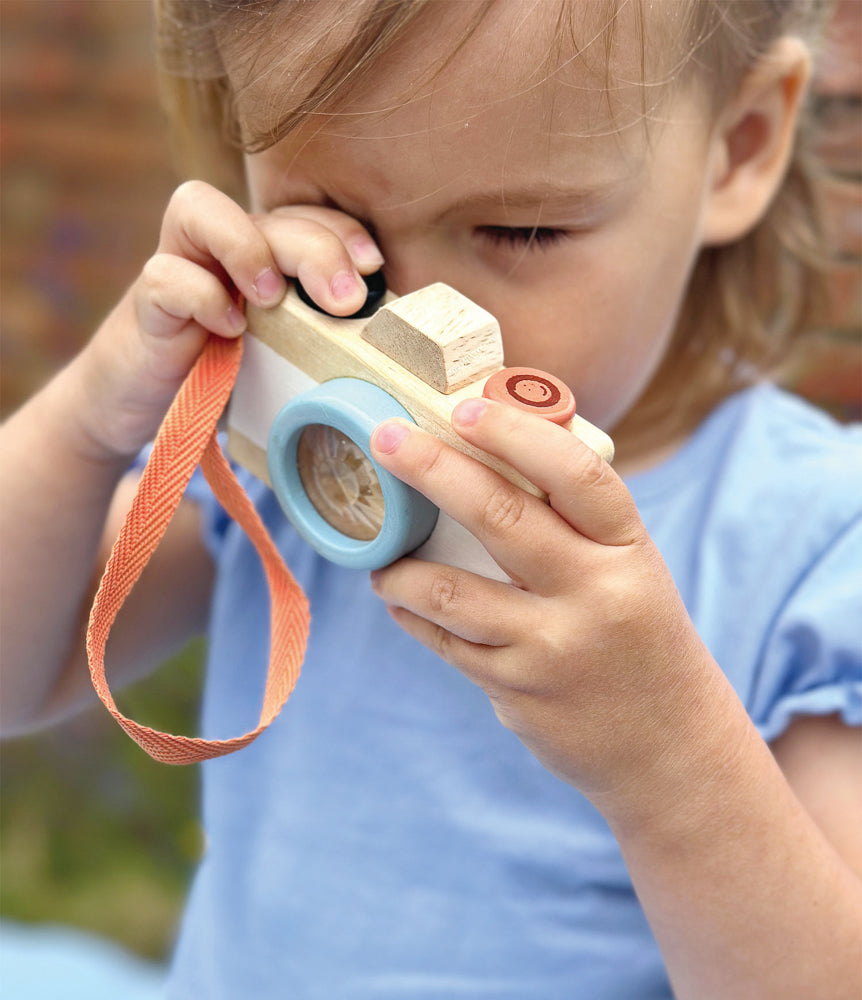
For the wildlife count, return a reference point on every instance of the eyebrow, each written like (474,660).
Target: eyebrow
(539,196)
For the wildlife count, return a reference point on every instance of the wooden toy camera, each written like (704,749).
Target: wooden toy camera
(313,387)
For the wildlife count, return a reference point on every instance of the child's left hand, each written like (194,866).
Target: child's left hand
(590,657)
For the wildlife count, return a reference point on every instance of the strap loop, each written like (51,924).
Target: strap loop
(187,438)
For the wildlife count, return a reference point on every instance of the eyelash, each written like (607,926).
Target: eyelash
(522,237)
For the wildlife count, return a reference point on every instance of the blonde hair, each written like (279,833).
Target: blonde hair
(746,302)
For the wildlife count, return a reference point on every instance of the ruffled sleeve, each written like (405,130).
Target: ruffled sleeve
(812,656)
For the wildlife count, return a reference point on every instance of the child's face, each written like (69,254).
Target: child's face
(453,181)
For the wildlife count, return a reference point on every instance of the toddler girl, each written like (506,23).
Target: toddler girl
(642,776)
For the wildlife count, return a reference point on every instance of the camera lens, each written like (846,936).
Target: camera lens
(340,482)
(349,509)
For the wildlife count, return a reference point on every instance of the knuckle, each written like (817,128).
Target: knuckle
(588,469)
(189,193)
(444,592)
(248,253)
(532,674)
(155,274)
(432,459)
(625,604)
(442,642)
(323,244)
(184,206)
(350,228)
(503,510)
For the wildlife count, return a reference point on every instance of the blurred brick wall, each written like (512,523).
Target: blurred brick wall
(85,174)
(85,177)
(830,370)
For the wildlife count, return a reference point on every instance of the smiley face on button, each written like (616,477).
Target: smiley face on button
(532,390)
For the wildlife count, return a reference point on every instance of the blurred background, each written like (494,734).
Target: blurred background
(93,834)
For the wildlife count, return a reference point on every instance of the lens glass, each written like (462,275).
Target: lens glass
(340,482)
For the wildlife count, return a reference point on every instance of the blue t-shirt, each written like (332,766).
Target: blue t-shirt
(387,837)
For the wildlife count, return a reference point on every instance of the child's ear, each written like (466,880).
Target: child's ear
(753,141)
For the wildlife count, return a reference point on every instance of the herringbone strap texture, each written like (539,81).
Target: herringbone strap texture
(187,438)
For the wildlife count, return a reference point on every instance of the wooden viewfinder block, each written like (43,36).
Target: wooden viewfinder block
(439,335)
(428,350)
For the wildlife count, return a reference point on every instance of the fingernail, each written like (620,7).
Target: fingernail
(375,579)
(469,411)
(236,319)
(344,285)
(366,252)
(269,287)
(389,436)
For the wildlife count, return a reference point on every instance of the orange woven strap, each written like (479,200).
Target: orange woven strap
(186,438)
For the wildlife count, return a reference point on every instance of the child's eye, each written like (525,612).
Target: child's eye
(520,237)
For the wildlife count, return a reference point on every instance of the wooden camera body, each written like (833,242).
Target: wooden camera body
(304,373)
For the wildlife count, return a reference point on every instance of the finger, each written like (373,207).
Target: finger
(520,532)
(474,608)
(203,225)
(172,290)
(357,240)
(306,248)
(474,660)
(582,488)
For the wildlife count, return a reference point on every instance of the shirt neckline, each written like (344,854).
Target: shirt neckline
(668,475)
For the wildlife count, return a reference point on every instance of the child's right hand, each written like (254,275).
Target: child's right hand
(64,454)
(210,253)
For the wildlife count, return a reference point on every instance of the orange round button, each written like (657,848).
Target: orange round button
(533,390)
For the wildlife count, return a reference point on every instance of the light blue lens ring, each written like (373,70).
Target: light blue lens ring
(355,408)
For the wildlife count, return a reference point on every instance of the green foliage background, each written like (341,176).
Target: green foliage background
(93,832)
